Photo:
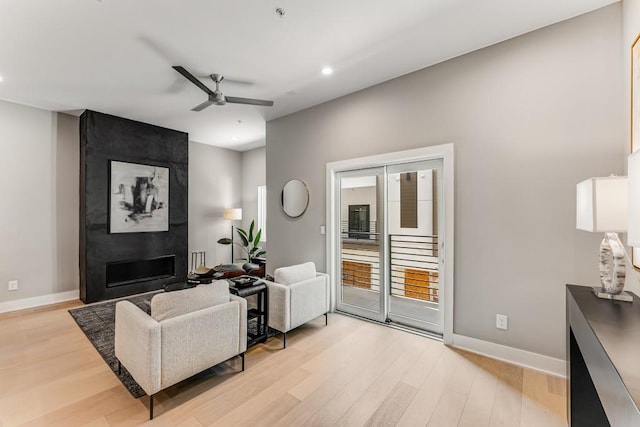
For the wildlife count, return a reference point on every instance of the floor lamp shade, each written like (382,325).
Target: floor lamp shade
(601,204)
(633,227)
(233,214)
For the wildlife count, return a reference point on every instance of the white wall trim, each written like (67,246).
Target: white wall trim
(22,304)
(515,356)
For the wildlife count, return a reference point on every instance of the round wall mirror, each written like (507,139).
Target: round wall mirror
(294,198)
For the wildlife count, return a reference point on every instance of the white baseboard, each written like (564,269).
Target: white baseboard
(21,304)
(515,356)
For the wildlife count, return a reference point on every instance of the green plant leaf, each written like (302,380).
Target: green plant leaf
(256,241)
(225,241)
(251,231)
(253,250)
(243,237)
(241,231)
(262,252)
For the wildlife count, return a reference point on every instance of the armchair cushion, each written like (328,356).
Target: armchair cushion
(168,305)
(199,340)
(295,273)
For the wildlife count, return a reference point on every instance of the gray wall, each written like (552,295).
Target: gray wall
(215,184)
(39,187)
(67,202)
(529,117)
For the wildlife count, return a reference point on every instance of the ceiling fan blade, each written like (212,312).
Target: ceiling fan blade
(230,80)
(250,101)
(202,106)
(193,79)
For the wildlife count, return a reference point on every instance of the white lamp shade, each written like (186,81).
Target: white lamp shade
(233,214)
(601,204)
(633,226)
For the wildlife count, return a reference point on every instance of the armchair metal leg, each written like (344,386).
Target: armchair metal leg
(242,355)
(284,339)
(151,406)
(119,368)
(326,318)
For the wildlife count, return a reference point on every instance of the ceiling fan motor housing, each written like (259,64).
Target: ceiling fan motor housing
(218,98)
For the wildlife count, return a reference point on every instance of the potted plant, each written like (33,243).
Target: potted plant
(248,242)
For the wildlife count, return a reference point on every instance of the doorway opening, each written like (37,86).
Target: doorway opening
(390,240)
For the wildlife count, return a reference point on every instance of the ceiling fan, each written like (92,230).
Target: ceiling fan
(216,97)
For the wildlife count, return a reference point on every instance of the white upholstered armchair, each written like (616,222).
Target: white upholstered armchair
(297,295)
(187,332)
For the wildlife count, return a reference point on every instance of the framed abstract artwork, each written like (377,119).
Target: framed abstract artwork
(138,198)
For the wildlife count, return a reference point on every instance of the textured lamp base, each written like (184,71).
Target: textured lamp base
(612,266)
(623,296)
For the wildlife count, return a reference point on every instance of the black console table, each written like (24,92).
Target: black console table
(603,360)
(260,313)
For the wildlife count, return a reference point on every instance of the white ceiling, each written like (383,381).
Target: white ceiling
(115,56)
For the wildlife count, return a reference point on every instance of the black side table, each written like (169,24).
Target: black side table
(260,313)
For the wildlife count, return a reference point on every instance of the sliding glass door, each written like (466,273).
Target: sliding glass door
(388,254)
(413,234)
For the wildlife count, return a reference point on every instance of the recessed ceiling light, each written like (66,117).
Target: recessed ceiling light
(1,78)
(327,71)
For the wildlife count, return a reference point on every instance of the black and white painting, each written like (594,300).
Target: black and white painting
(139,198)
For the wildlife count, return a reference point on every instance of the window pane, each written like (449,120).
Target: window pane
(262,211)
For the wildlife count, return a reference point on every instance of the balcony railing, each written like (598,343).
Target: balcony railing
(361,261)
(360,233)
(414,266)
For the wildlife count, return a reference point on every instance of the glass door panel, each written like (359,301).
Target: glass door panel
(415,213)
(362,272)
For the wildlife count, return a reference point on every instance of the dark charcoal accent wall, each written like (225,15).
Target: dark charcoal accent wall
(104,138)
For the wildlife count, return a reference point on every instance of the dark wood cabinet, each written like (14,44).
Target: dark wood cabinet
(603,355)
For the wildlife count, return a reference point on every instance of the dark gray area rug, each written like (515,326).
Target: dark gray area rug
(98,320)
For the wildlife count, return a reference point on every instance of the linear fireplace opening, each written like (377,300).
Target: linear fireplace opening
(127,272)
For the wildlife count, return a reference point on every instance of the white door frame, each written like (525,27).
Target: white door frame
(444,152)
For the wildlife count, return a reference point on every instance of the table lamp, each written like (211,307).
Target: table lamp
(234,214)
(601,206)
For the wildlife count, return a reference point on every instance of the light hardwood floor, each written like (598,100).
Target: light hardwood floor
(350,373)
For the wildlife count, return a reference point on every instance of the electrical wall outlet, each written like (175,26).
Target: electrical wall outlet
(502,321)
(13,285)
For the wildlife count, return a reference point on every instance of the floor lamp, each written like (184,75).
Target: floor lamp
(234,214)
